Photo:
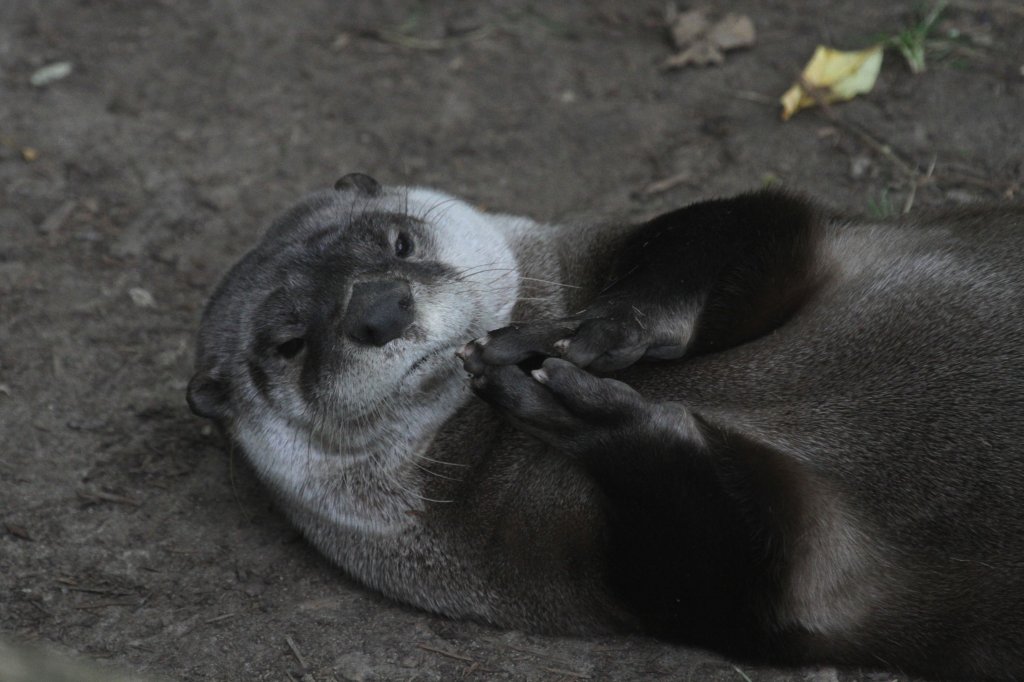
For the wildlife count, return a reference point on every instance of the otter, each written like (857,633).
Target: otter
(749,425)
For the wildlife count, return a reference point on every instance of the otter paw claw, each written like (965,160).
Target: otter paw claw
(518,342)
(559,402)
(586,396)
(607,337)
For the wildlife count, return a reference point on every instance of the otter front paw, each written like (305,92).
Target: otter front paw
(559,402)
(605,338)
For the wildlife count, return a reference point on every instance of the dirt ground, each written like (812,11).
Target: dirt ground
(127,532)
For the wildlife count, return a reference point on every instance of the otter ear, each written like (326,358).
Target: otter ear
(359,182)
(208,395)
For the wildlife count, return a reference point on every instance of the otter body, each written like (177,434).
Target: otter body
(744,425)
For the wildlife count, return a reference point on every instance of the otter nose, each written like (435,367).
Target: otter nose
(378,312)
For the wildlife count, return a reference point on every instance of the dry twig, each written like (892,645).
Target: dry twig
(442,652)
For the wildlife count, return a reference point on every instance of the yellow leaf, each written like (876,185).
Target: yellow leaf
(834,76)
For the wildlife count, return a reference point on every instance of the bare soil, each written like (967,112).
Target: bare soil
(128,531)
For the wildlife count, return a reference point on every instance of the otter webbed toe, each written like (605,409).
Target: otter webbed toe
(561,403)
(515,343)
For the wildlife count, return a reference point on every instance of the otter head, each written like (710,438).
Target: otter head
(351,306)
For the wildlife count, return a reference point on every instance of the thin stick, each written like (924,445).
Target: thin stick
(105,604)
(100,496)
(298,654)
(449,654)
(217,619)
(909,203)
(867,138)
(752,96)
(567,673)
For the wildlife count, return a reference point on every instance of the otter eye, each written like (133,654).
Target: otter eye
(290,348)
(403,246)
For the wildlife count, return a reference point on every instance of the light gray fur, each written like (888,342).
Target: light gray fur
(359,477)
(421,492)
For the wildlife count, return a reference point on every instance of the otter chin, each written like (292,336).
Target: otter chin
(748,425)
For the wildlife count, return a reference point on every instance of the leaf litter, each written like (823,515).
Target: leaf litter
(703,42)
(833,76)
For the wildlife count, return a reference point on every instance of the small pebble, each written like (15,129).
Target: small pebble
(51,73)
(859,166)
(141,297)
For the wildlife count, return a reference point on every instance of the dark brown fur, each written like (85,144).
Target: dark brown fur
(820,459)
